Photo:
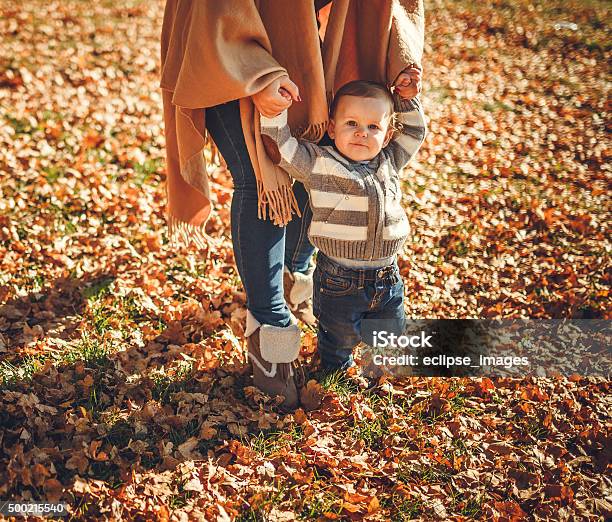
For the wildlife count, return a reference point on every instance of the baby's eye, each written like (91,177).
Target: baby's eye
(351,123)
(374,126)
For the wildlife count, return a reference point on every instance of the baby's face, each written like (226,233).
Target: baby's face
(360,127)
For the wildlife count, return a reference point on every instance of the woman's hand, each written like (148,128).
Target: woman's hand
(276,97)
(408,83)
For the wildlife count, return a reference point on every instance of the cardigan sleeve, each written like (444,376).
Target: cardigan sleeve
(295,156)
(411,133)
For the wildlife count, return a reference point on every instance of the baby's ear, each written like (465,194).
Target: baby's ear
(389,135)
(331,129)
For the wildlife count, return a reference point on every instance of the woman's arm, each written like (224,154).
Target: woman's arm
(406,41)
(215,52)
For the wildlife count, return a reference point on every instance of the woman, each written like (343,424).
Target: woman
(222,63)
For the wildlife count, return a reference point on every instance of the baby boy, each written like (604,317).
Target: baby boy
(358,222)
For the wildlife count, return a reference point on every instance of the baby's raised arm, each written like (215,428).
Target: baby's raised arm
(295,156)
(411,133)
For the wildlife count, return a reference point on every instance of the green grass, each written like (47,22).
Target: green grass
(63,219)
(497,106)
(401,508)
(261,511)
(21,125)
(182,497)
(408,473)
(98,288)
(92,351)
(371,432)
(465,504)
(458,404)
(11,374)
(52,174)
(145,172)
(319,504)
(339,383)
(179,378)
(535,428)
(268,443)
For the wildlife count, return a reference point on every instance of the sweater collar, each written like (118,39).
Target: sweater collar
(373,163)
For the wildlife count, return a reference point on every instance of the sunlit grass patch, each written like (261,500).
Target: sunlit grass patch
(402,509)
(11,374)
(430,474)
(318,503)
(261,505)
(168,381)
(270,442)
(371,432)
(466,504)
(91,350)
(338,382)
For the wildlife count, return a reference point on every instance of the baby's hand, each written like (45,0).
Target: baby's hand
(408,83)
(276,97)
(289,96)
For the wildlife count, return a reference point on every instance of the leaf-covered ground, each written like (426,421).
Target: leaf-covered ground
(124,388)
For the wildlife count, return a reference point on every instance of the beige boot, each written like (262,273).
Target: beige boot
(273,353)
(298,295)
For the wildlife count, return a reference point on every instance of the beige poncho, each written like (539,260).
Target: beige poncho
(215,51)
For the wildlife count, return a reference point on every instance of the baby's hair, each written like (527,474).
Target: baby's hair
(365,89)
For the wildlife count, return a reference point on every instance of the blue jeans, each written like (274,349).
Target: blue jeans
(344,297)
(260,247)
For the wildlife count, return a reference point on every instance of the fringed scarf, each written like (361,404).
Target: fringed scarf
(214,51)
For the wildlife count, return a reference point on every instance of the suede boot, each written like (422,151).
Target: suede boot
(273,353)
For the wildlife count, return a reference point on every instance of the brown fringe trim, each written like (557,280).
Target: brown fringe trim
(182,234)
(277,205)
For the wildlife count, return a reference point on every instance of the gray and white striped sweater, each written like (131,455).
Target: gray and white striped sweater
(356,206)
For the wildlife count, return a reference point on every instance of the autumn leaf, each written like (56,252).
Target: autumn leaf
(125,389)
(311,395)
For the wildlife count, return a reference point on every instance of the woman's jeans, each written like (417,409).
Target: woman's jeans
(260,247)
(344,298)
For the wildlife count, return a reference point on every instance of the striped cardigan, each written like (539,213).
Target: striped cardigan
(356,206)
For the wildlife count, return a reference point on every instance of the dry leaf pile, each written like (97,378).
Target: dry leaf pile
(124,386)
